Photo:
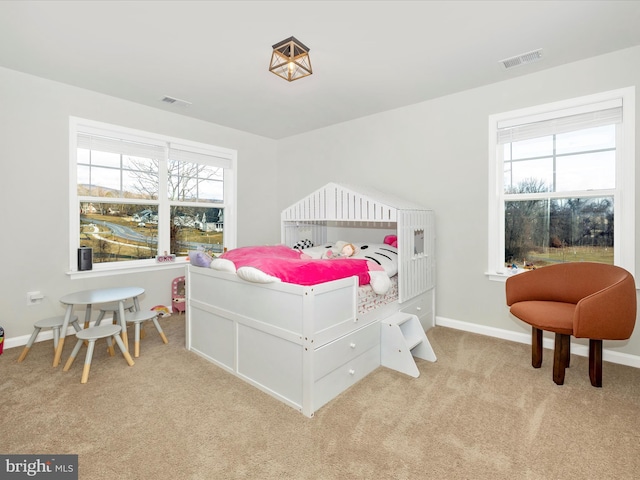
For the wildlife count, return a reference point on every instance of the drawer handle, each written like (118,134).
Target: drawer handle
(352,371)
(352,345)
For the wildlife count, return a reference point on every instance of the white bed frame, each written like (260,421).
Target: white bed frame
(306,345)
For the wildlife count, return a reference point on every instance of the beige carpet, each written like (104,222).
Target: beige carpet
(480,412)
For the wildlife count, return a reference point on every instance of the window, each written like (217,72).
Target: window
(137,195)
(562,183)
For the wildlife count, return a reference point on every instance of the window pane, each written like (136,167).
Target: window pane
(541,232)
(536,147)
(119,232)
(195,228)
(580,160)
(83,156)
(105,159)
(195,182)
(117,176)
(528,176)
(592,171)
(84,180)
(598,138)
(506,152)
(211,191)
(140,177)
(105,182)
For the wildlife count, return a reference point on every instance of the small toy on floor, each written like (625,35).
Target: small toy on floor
(162,310)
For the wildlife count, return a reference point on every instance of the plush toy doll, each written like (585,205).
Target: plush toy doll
(342,250)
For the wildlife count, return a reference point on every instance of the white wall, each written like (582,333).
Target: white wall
(435,153)
(34,133)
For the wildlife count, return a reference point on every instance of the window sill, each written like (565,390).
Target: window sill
(502,277)
(107,270)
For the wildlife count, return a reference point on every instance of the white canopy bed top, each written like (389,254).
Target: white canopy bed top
(342,212)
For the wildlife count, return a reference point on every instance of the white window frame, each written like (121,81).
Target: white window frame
(78,125)
(624,193)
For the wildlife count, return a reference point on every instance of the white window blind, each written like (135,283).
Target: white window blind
(124,147)
(534,126)
(189,154)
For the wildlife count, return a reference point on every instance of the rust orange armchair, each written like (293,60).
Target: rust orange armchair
(583,299)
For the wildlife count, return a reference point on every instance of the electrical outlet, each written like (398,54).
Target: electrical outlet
(34,298)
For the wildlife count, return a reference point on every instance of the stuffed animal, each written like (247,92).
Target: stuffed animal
(162,310)
(342,250)
(302,244)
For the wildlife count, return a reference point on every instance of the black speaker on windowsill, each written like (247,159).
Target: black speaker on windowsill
(85,258)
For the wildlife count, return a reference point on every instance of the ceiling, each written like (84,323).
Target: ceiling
(367,56)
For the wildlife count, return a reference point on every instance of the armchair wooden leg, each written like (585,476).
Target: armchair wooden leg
(561,357)
(536,347)
(595,362)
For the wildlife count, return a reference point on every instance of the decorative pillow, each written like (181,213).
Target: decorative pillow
(384,255)
(378,279)
(199,259)
(302,244)
(223,265)
(251,274)
(391,240)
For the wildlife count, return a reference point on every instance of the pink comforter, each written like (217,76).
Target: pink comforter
(285,263)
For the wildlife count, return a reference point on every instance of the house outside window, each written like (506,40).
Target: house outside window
(136,195)
(562,184)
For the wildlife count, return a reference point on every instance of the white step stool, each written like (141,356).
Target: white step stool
(402,338)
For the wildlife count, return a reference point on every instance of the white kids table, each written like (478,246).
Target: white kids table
(92,297)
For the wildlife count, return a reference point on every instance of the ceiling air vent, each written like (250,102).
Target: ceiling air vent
(175,101)
(521,59)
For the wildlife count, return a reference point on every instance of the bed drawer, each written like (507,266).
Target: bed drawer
(330,356)
(422,307)
(337,381)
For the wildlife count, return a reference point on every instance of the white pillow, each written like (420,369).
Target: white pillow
(252,274)
(223,265)
(379,281)
(384,255)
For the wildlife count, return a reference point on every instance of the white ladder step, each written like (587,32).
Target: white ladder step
(402,338)
(399,318)
(413,342)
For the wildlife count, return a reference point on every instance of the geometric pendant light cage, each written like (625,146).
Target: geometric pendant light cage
(290,60)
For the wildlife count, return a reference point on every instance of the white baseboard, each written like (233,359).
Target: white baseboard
(577,349)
